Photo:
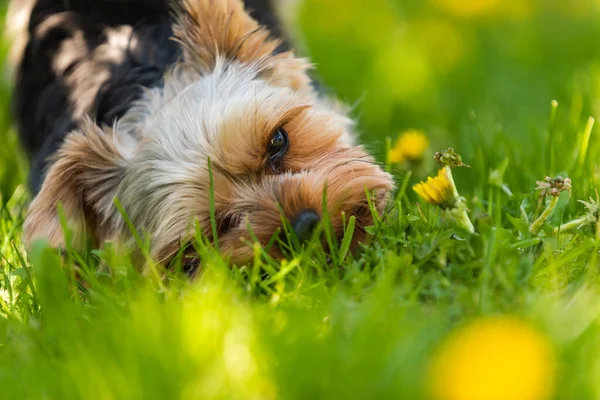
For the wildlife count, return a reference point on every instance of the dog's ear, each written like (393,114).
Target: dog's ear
(213,31)
(83,179)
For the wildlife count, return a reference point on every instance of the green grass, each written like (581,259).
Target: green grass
(366,325)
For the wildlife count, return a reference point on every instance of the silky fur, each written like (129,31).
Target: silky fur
(225,98)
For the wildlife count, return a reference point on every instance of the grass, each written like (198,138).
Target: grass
(368,325)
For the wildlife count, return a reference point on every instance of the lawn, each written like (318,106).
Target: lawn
(425,309)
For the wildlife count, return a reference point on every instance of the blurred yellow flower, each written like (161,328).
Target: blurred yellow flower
(467,8)
(411,145)
(496,8)
(438,191)
(496,358)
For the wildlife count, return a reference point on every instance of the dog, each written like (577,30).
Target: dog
(174,107)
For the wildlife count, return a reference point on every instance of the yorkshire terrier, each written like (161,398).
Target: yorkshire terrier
(134,99)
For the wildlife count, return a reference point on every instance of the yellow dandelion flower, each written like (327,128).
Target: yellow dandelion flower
(489,8)
(468,8)
(496,358)
(411,146)
(438,191)
(441,191)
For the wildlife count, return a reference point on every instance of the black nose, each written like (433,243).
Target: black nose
(305,223)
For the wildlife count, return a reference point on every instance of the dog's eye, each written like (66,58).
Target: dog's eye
(278,145)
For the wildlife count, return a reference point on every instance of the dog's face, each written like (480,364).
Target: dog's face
(272,145)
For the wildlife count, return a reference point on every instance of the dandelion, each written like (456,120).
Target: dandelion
(468,8)
(449,158)
(552,187)
(592,216)
(438,190)
(442,192)
(487,8)
(495,358)
(410,146)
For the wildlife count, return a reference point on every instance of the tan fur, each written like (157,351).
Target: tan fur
(213,29)
(347,175)
(83,179)
(221,103)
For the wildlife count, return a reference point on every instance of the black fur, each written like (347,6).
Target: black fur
(80,61)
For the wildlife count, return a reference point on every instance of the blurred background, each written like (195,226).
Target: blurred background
(430,64)
(468,73)
(477,75)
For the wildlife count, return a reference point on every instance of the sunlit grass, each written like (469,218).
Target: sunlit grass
(520,304)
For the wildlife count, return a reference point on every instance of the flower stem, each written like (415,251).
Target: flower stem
(461,217)
(567,226)
(537,224)
(451,179)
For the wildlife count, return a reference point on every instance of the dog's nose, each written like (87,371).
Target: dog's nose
(305,223)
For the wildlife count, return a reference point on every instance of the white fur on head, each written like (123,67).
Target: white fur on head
(226,116)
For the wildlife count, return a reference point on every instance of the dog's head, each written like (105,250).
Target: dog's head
(272,144)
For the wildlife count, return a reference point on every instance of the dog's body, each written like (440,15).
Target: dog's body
(92,58)
(109,105)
